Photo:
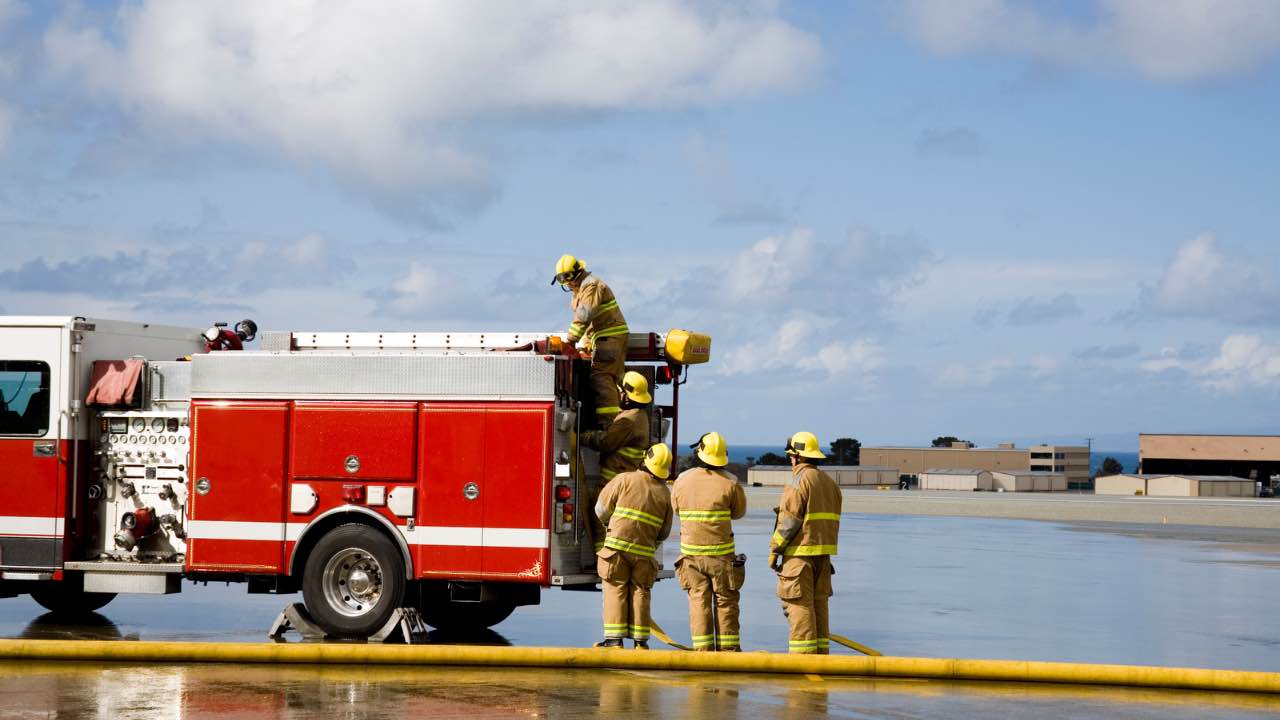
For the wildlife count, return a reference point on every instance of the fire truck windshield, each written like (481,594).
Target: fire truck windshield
(24,397)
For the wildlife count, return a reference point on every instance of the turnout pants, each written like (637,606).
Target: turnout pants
(628,580)
(804,585)
(608,363)
(713,584)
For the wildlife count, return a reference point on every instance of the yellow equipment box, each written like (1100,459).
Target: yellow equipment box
(688,348)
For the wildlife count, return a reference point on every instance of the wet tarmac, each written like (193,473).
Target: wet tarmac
(232,692)
(928,586)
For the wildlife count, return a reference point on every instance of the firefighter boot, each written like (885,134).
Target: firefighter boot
(642,644)
(610,643)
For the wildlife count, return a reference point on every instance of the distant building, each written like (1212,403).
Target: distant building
(955,479)
(1122,484)
(1225,455)
(1028,481)
(1175,485)
(845,475)
(1069,460)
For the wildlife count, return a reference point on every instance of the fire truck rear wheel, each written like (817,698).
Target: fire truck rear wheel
(353,581)
(68,598)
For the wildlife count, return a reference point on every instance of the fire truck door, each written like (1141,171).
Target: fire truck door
(238,467)
(34,454)
(449,537)
(517,476)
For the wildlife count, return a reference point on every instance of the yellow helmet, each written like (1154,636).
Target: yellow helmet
(712,449)
(805,444)
(657,460)
(568,267)
(635,386)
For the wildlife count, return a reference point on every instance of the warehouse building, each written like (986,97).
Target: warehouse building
(1028,481)
(1175,485)
(1069,460)
(1200,486)
(1123,484)
(844,475)
(1241,456)
(955,479)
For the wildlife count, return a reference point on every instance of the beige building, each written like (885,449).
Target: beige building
(844,475)
(1241,456)
(1200,486)
(1028,481)
(1069,460)
(955,479)
(1123,484)
(1175,485)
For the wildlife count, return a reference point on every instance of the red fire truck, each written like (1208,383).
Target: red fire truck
(369,471)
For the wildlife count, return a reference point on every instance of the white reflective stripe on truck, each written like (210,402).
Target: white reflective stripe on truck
(420,535)
(42,526)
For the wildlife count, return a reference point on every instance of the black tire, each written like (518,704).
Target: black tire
(67,598)
(353,581)
(462,618)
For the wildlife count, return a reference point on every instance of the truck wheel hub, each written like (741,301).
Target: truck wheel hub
(352,582)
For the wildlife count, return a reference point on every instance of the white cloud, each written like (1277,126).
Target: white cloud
(1202,281)
(1169,40)
(803,344)
(1242,362)
(382,95)
(771,267)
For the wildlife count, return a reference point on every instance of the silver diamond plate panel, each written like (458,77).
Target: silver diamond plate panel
(274,341)
(494,376)
(170,382)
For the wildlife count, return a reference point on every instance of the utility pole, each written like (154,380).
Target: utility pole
(1089,442)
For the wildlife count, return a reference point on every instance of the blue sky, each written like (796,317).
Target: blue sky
(986,218)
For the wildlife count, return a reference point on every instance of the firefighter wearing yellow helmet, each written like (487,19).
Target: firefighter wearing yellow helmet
(707,499)
(623,444)
(637,507)
(598,323)
(804,539)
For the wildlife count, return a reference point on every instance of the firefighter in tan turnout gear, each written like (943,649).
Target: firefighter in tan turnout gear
(706,498)
(804,540)
(622,445)
(637,507)
(598,323)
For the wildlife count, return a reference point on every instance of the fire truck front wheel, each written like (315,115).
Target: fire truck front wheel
(353,581)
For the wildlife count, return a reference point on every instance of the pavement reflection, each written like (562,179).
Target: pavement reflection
(119,692)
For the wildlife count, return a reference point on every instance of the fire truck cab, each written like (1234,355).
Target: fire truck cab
(369,471)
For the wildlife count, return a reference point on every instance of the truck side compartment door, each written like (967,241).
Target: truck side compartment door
(237,500)
(517,484)
(448,539)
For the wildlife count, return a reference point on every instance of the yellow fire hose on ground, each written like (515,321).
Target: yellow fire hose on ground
(662,635)
(566,658)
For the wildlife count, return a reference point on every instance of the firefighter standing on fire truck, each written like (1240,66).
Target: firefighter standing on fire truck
(706,498)
(622,446)
(804,539)
(598,323)
(637,506)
